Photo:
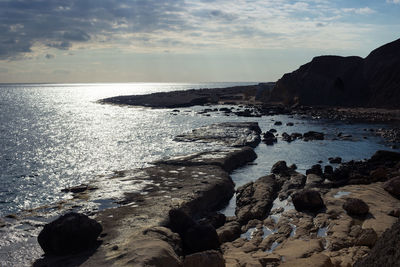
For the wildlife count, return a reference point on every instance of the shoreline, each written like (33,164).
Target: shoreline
(113,226)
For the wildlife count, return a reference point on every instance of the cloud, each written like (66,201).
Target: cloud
(360,11)
(39,26)
(393,1)
(3,70)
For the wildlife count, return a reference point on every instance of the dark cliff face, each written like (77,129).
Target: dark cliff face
(345,81)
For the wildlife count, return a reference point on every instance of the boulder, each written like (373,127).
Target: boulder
(312,135)
(393,186)
(70,233)
(254,199)
(195,237)
(269,138)
(315,169)
(307,200)
(229,232)
(200,237)
(278,123)
(209,258)
(367,237)
(286,137)
(279,167)
(355,206)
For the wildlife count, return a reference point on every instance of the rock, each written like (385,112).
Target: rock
(209,258)
(216,219)
(272,130)
(315,169)
(166,235)
(278,123)
(298,248)
(152,252)
(316,260)
(355,206)
(227,159)
(313,180)
(393,186)
(254,199)
(234,134)
(289,124)
(279,167)
(335,160)
(229,232)
(269,138)
(383,157)
(395,213)
(295,136)
(195,237)
(344,81)
(385,252)
(307,200)
(312,135)
(70,233)
(328,170)
(286,137)
(368,237)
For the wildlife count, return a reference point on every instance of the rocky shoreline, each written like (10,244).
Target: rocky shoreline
(283,219)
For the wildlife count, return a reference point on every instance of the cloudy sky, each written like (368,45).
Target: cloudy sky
(183,40)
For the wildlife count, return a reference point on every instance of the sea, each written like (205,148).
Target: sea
(54,136)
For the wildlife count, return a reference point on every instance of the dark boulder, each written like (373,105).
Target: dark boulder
(336,160)
(286,137)
(315,169)
(229,232)
(70,233)
(393,186)
(269,138)
(312,135)
(195,237)
(278,123)
(279,167)
(216,219)
(355,206)
(308,200)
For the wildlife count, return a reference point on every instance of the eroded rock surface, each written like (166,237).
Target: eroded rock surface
(234,134)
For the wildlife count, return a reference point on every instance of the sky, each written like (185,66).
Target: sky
(76,41)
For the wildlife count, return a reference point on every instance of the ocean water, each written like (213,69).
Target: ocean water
(53,136)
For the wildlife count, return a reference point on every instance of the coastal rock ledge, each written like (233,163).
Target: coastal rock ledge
(139,233)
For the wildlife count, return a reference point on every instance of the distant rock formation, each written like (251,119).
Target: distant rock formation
(345,81)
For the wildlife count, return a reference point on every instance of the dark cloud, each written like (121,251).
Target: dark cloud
(60,23)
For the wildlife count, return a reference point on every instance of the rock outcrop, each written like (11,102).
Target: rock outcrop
(70,233)
(345,81)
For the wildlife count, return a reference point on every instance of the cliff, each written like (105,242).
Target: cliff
(345,81)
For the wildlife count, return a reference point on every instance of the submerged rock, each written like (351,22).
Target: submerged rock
(70,233)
